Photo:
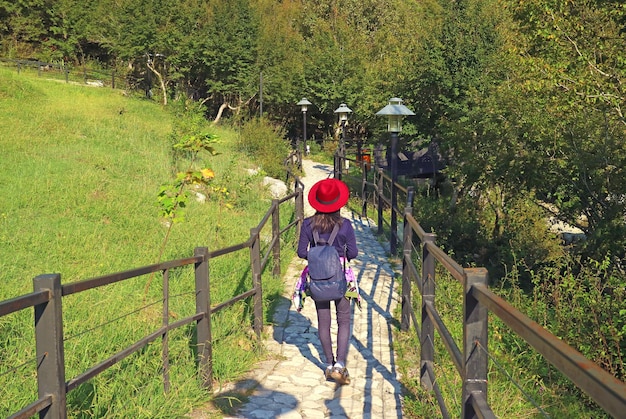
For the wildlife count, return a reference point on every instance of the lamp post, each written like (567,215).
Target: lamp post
(394,112)
(304,104)
(343,111)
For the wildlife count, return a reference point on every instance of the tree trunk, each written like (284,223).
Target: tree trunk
(161,81)
(219,113)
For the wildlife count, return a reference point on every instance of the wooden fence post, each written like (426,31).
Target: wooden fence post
(299,158)
(475,325)
(336,166)
(363,188)
(407,241)
(427,338)
(255,260)
(203,325)
(410,196)
(165,338)
(276,236)
(380,194)
(49,344)
(299,208)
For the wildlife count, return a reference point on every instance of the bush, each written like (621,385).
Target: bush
(265,144)
(584,305)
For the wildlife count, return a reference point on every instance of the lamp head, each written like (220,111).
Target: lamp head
(304,103)
(343,112)
(394,112)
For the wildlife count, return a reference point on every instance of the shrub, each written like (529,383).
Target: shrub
(584,305)
(265,144)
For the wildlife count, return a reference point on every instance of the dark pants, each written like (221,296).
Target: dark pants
(343,329)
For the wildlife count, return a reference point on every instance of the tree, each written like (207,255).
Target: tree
(575,54)
(230,54)
(23,26)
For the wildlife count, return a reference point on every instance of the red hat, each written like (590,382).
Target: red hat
(329,195)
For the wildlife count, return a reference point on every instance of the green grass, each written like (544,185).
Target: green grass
(80,171)
(509,369)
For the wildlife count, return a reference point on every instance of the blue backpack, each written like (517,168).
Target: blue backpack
(327,276)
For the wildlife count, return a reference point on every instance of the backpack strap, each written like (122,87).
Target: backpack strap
(333,235)
(331,239)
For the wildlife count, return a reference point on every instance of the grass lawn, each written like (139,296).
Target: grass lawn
(80,171)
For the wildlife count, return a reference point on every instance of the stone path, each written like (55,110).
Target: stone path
(293,385)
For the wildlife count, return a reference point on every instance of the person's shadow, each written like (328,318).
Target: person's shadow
(294,328)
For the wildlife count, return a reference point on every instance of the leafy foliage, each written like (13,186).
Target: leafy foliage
(264,143)
(172,198)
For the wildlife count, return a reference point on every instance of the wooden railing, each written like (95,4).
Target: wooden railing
(470,357)
(92,77)
(47,302)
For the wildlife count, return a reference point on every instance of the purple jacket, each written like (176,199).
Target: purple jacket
(344,237)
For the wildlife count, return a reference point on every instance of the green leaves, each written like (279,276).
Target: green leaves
(189,140)
(197,143)
(173,198)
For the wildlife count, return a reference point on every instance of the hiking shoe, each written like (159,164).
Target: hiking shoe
(340,375)
(328,373)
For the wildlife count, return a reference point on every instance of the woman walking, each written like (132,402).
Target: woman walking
(327,197)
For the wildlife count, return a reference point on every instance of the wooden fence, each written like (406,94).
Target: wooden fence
(47,302)
(67,73)
(420,255)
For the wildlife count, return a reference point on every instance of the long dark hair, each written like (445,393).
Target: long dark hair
(325,222)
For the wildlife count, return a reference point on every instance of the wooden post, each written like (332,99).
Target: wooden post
(276,236)
(165,350)
(475,324)
(337,166)
(299,209)
(203,325)
(427,338)
(363,188)
(255,259)
(49,347)
(380,195)
(410,196)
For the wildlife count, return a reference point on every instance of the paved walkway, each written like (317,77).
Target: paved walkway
(293,385)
